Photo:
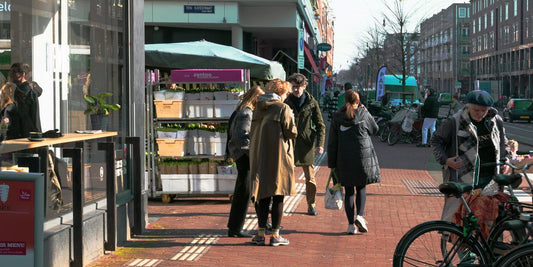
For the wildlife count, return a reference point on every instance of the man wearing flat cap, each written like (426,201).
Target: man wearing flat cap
(472,136)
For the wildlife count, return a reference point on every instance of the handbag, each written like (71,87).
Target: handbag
(333,197)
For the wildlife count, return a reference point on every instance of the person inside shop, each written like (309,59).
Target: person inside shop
(238,148)
(311,129)
(272,135)
(35,87)
(9,126)
(26,101)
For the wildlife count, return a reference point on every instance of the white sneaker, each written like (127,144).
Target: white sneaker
(352,230)
(360,222)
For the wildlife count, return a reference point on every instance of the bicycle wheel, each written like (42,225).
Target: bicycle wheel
(438,243)
(521,256)
(383,133)
(394,137)
(507,235)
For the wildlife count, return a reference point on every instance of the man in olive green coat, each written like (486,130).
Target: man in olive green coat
(310,128)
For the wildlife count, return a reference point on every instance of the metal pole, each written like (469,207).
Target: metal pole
(135,143)
(111,185)
(77,203)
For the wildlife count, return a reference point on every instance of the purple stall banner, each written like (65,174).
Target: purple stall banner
(207,75)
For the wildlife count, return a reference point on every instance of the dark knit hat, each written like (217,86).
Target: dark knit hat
(480,97)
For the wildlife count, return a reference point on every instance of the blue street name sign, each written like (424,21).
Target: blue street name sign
(198,9)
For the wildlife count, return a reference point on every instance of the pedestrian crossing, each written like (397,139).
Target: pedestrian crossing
(196,248)
(144,262)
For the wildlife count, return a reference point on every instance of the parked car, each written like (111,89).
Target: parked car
(518,109)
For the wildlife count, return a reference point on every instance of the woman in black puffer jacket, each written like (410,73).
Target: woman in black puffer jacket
(351,153)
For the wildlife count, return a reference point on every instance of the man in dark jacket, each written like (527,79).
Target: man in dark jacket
(430,112)
(26,101)
(310,127)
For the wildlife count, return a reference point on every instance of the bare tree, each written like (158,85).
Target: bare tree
(401,38)
(372,44)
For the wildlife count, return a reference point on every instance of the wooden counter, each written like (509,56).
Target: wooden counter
(14,145)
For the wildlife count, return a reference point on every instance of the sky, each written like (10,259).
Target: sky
(353,18)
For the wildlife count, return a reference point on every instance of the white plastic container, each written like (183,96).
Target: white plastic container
(224,108)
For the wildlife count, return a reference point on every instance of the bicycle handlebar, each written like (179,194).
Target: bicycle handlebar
(524,152)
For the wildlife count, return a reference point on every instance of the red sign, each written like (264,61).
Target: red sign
(17,206)
(207,75)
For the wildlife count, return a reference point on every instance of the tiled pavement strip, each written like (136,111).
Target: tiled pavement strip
(192,232)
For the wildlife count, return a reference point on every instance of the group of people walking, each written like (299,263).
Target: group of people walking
(280,126)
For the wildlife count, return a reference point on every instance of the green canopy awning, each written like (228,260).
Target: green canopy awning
(206,55)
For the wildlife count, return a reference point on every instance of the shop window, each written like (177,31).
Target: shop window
(71,53)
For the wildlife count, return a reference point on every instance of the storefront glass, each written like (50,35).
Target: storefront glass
(74,48)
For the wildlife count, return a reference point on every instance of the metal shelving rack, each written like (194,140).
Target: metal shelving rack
(156,189)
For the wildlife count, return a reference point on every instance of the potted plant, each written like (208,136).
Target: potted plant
(98,109)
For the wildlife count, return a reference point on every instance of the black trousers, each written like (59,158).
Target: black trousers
(262,210)
(241,195)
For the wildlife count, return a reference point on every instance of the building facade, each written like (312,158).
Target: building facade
(284,31)
(502,44)
(75,48)
(444,50)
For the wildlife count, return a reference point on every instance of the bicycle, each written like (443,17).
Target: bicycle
(442,243)
(519,257)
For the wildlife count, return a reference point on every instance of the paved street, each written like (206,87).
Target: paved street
(192,232)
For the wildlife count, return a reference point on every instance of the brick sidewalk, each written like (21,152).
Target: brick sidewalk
(192,232)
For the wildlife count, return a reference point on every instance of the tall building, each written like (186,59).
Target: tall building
(502,47)
(325,20)
(445,49)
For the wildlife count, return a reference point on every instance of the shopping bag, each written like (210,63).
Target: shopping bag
(333,197)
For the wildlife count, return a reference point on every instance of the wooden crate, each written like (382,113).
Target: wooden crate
(168,108)
(171,147)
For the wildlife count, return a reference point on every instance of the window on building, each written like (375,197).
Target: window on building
(485,42)
(474,26)
(526,27)
(464,32)
(506,11)
(462,12)
(516,33)
(474,45)
(492,18)
(464,49)
(485,17)
(89,57)
(491,40)
(479,24)
(515,11)
(506,34)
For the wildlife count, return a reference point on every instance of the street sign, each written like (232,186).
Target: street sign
(301,59)
(323,47)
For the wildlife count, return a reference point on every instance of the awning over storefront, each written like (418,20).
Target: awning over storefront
(316,74)
(204,54)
